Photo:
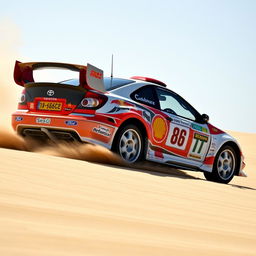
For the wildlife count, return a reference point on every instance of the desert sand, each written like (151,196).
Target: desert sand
(52,205)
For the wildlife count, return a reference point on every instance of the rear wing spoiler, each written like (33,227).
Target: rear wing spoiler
(90,77)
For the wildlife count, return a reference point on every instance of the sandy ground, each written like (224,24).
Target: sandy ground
(57,206)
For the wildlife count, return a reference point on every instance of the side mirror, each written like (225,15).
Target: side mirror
(205,118)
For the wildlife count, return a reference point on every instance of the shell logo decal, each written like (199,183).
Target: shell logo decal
(159,128)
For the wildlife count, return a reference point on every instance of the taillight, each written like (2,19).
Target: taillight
(23,101)
(90,103)
(22,98)
(93,100)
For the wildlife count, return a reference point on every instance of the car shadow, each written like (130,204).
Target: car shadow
(241,187)
(155,169)
(162,170)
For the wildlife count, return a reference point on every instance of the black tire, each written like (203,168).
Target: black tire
(129,144)
(224,167)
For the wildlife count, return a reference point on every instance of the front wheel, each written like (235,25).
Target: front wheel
(129,144)
(224,166)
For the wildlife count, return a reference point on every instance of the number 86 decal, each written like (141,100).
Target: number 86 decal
(177,137)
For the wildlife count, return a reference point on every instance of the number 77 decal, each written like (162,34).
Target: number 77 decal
(199,146)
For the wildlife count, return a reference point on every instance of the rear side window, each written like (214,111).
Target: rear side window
(114,83)
(74,82)
(54,75)
(145,95)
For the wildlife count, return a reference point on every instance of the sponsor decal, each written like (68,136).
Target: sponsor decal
(102,131)
(71,122)
(181,122)
(18,118)
(50,93)
(40,120)
(199,128)
(159,127)
(143,99)
(95,74)
(201,137)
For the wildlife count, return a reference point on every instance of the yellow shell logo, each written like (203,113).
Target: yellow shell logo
(159,128)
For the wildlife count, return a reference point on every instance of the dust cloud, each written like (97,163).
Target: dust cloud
(10,42)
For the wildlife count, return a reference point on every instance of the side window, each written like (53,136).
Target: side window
(145,95)
(173,104)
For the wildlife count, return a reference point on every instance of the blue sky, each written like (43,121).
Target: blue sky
(204,50)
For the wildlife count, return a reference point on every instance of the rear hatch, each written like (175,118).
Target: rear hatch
(56,97)
(53,97)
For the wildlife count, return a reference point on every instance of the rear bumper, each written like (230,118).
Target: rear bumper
(96,129)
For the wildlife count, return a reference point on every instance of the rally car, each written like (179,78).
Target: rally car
(138,118)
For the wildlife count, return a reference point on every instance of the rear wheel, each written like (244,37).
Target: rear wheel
(129,144)
(224,166)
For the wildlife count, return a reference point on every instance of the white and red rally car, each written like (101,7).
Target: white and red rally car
(138,118)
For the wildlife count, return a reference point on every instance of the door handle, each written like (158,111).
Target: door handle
(169,118)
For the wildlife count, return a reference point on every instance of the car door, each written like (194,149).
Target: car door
(187,140)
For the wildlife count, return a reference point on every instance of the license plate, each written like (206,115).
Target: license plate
(49,105)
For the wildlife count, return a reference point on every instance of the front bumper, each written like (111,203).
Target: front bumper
(241,172)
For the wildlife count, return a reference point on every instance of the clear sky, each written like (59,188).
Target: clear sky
(204,50)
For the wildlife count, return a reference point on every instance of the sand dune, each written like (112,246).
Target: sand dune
(57,206)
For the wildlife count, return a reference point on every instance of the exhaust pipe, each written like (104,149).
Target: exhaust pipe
(52,135)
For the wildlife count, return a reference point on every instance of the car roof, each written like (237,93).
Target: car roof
(117,83)
(114,84)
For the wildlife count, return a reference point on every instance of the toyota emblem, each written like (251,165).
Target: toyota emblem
(50,93)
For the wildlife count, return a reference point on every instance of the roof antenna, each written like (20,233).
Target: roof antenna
(112,60)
